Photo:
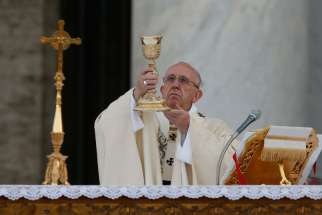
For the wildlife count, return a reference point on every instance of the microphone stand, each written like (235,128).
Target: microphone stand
(222,154)
(253,116)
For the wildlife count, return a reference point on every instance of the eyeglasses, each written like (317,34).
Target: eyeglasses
(183,80)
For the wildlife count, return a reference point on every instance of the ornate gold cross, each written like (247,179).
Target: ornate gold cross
(56,172)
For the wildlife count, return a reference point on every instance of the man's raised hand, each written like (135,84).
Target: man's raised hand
(146,81)
(179,117)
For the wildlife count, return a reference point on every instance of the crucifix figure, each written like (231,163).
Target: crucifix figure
(56,172)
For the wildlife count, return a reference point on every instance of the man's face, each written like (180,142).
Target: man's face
(180,87)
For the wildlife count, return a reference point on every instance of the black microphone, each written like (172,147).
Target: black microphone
(253,116)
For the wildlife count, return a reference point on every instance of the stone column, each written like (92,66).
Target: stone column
(24,88)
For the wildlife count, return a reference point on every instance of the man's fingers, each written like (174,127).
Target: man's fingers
(147,81)
(168,113)
(146,71)
(169,117)
(150,76)
(150,82)
(176,111)
(172,113)
(178,107)
(150,87)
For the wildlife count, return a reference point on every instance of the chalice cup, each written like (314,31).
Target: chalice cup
(151,50)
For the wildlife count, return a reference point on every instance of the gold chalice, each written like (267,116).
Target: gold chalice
(151,50)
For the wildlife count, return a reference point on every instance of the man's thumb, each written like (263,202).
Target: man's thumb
(178,107)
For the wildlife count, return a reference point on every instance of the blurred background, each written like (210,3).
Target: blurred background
(264,54)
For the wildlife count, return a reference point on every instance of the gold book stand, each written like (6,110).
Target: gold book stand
(258,172)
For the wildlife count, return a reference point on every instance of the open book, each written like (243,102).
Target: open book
(265,155)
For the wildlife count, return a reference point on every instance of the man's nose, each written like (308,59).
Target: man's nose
(176,82)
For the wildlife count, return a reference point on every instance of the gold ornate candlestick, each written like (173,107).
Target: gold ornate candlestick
(151,50)
(56,172)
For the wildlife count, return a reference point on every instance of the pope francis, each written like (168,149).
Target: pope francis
(177,147)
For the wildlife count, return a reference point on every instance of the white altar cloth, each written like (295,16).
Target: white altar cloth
(34,192)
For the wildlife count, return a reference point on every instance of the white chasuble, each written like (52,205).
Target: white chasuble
(129,150)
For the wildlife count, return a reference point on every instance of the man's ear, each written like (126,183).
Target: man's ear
(197,96)
(162,89)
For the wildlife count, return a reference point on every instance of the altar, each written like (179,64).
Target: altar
(261,199)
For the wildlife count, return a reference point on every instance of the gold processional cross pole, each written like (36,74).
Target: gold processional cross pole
(56,172)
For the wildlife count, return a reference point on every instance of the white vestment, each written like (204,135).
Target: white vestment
(128,148)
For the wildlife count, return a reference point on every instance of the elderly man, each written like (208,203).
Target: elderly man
(178,147)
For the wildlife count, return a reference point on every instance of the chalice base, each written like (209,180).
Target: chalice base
(151,104)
